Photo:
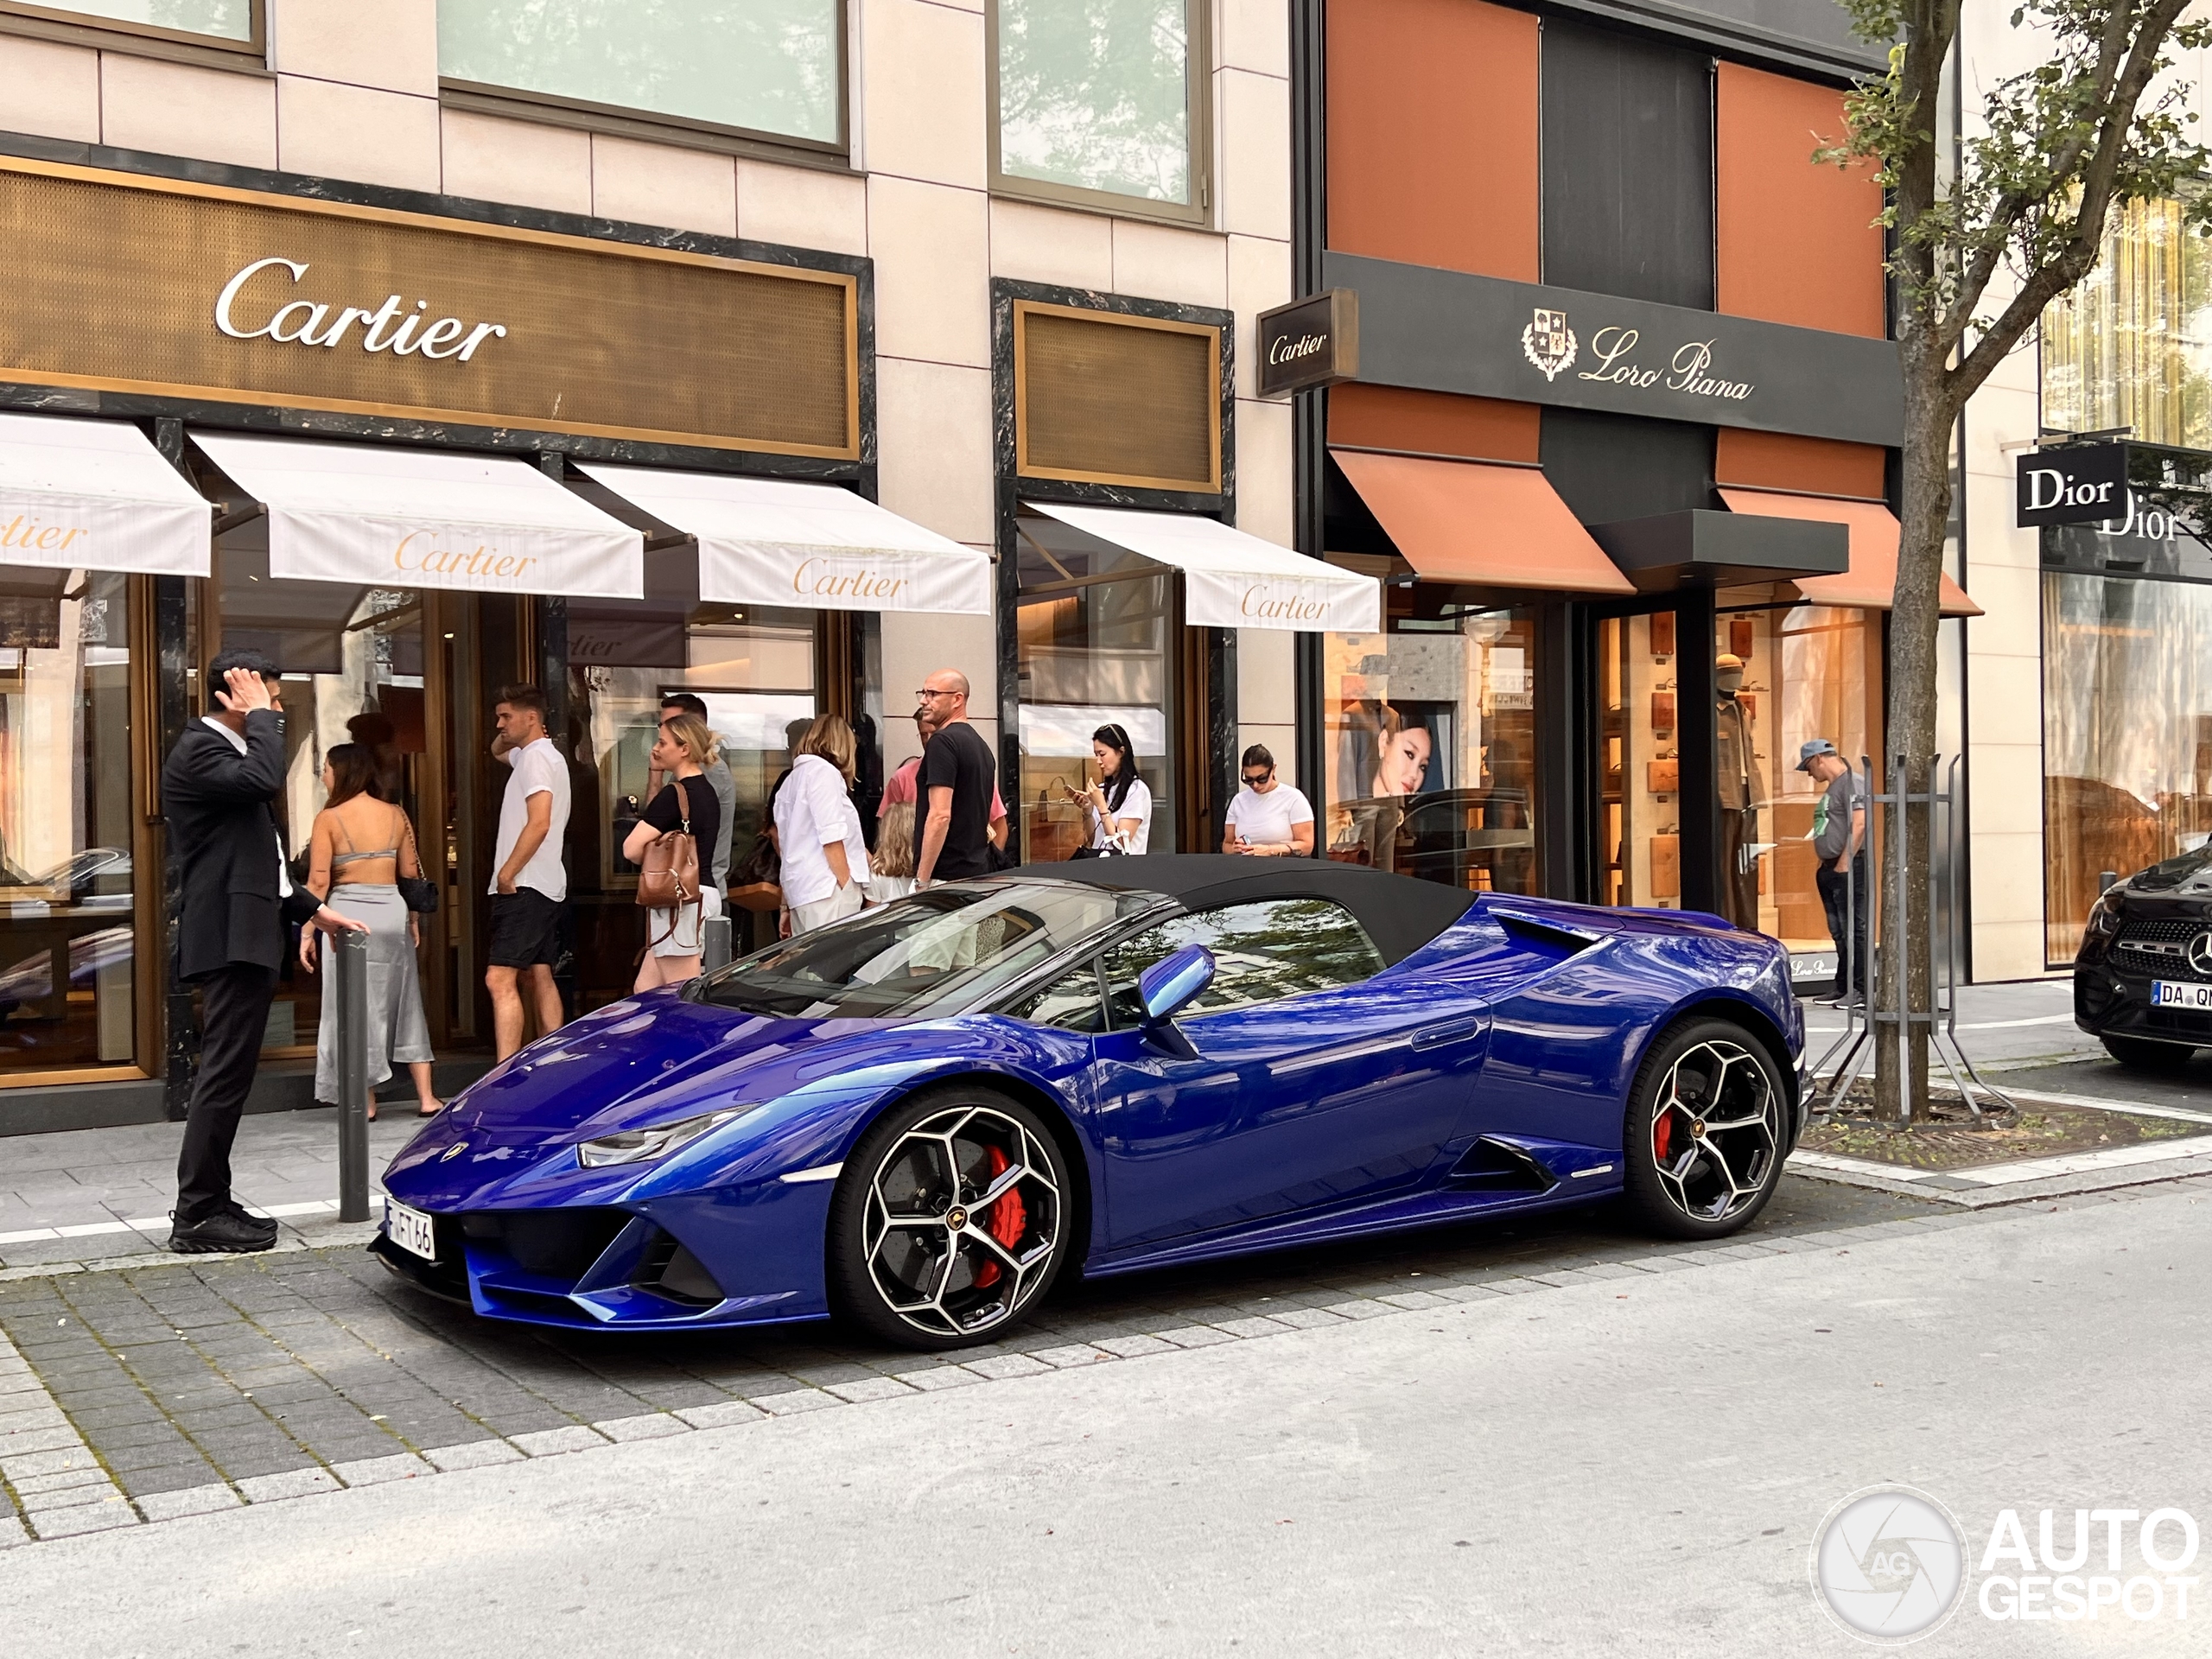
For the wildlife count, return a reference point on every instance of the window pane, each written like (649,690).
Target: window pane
(66,879)
(1262,952)
(769,66)
(2132,346)
(231,20)
(1095,93)
(1071,1004)
(1431,750)
(2127,736)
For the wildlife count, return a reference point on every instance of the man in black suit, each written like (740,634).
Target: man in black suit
(237,897)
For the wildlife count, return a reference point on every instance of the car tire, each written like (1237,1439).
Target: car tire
(2146,1054)
(908,1270)
(1706,1131)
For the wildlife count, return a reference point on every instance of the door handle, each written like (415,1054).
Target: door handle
(1453,1031)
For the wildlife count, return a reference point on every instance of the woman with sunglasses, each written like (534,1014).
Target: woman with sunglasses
(1118,807)
(1268,819)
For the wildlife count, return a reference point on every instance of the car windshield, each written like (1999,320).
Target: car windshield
(939,952)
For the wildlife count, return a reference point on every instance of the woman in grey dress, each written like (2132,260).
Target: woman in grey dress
(361,846)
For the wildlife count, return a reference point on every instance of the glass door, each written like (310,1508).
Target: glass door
(1638,821)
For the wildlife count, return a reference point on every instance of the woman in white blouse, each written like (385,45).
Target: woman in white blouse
(825,870)
(1118,807)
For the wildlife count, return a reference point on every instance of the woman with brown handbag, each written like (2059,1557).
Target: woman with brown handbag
(675,884)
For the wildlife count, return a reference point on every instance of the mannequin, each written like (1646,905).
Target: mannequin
(1741,795)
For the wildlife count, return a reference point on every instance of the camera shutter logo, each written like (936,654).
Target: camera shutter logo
(1548,343)
(2200,954)
(1889,1564)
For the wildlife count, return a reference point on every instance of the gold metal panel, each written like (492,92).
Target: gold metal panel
(1103,398)
(113,281)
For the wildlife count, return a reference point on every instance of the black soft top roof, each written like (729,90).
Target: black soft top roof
(1400,914)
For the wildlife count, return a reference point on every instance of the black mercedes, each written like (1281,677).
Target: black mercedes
(2143,977)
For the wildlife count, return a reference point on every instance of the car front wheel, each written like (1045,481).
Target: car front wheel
(1706,1131)
(950,1220)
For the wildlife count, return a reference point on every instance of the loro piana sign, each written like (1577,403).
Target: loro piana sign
(128,283)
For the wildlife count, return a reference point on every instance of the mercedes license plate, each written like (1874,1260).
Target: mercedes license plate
(410,1229)
(2166,994)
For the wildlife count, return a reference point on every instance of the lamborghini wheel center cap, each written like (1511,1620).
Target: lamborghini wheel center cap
(956,1218)
(1697,1129)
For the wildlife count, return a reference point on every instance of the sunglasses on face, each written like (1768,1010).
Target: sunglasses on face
(1255,778)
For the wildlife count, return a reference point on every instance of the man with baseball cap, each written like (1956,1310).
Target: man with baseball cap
(1840,845)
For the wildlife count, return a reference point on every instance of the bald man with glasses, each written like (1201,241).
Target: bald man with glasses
(955,785)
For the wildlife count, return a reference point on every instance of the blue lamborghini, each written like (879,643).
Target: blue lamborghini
(922,1117)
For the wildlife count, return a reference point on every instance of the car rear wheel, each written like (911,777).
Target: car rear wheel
(1706,1131)
(950,1219)
(2143,1054)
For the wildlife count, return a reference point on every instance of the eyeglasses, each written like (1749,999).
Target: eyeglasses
(927,696)
(1255,778)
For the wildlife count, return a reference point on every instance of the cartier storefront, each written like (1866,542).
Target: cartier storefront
(415,449)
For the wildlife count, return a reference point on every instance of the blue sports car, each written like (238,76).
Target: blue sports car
(920,1118)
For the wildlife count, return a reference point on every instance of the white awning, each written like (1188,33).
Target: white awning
(1233,580)
(766,541)
(428,518)
(94,495)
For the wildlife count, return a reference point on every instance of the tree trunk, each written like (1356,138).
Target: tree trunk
(1909,746)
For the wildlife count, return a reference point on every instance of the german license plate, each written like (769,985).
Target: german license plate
(2165,993)
(410,1229)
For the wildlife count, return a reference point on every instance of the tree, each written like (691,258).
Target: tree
(2098,123)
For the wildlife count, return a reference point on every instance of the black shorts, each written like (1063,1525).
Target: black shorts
(525,930)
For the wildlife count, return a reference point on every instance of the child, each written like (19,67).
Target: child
(891,866)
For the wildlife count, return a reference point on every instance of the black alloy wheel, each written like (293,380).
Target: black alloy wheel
(950,1220)
(1706,1131)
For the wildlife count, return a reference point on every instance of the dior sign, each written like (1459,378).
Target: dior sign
(1309,343)
(2084,484)
(1436,330)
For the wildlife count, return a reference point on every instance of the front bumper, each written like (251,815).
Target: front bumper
(2111,1000)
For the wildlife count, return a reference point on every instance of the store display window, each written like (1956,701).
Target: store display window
(67,876)
(1430,732)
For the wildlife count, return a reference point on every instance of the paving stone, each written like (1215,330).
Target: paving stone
(1360,1309)
(29,1486)
(1410,1300)
(473,1454)
(47,1463)
(12,1530)
(790,1402)
(997,1366)
(650,1425)
(724,1413)
(1127,1347)
(551,1442)
(89,1517)
(372,1471)
(872,1387)
(96,1491)
(939,1377)
(189,1500)
(1254,1327)
(294,1483)
(23,1442)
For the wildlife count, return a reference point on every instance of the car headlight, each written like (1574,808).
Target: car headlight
(2104,915)
(641,1145)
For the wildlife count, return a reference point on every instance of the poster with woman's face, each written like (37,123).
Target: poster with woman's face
(1413,756)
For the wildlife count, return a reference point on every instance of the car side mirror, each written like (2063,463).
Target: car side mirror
(1167,986)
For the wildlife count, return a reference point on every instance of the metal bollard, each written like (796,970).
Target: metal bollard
(713,943)
(352,988)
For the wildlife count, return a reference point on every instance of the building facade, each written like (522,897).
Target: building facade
(785,354)
(1621,447)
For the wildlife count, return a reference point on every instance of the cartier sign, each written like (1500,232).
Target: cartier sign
(1309,343)
(133,283)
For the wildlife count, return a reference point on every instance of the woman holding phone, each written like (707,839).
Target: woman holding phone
(1117,808)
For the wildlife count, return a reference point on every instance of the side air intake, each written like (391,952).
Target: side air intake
(1494,1167)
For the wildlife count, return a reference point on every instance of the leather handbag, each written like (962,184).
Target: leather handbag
(669,876)
(418,893)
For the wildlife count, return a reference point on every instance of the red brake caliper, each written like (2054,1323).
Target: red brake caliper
(1005,1221)
(1662,1135)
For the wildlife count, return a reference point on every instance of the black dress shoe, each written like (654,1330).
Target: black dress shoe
(237,1211)
(221,1233)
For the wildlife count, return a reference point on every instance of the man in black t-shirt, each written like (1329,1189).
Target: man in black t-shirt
(955,784)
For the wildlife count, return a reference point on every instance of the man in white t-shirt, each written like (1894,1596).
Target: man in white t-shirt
(1268,819)
(528,883)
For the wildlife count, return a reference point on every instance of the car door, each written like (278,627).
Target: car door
(1303,1086)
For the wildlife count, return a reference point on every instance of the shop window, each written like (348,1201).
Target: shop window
(2131,346)
(754,666)
(224,21)
(1101,100)
(2127,736)
(1639,764)
(1430,759)
(1095,656)
(66,881)
(770,66)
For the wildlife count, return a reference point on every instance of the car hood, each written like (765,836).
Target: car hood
(642,1061)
